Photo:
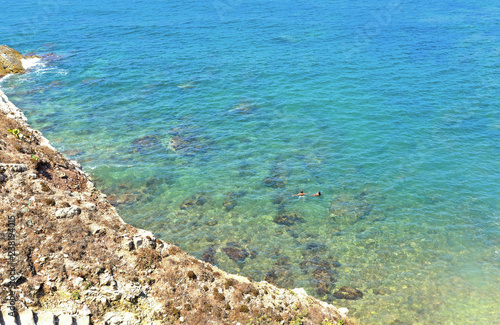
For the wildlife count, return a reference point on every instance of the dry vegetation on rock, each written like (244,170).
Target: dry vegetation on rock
(77,256)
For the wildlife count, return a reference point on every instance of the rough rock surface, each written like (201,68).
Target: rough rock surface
(65,254)
(10,61)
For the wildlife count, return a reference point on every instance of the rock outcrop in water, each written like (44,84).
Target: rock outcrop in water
(67,257)
(10,61)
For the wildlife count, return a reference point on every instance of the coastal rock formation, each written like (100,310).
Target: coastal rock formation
(68,257)
(10,61)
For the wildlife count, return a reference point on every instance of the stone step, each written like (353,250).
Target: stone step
(65,320)
(27,317)
(8,316)
(45,318)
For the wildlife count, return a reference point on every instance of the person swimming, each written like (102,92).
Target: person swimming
(301,193)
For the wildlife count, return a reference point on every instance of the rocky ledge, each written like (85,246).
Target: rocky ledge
(11,61)
(67,257)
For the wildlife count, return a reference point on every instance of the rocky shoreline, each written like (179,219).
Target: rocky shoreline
(68,257)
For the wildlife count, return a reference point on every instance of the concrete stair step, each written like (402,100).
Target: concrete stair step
(28,317)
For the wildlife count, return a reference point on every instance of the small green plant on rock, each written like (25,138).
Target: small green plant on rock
(16,133)
(299,319)
(259,321)
(328,322)
(75,294)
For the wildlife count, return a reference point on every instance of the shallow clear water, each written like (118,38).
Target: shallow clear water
(389,108)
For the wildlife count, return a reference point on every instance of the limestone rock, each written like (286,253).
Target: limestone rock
(90,206)
(46,318)
(78,282)
(106,279)
(123,318)
(343,312)
(85,311)
(132,292)
(9,109)
(10,61)
(96,229)
(26,317)
(8,315)
(69,212)
(113,295)
(65,320)
(300,292)
(83,320)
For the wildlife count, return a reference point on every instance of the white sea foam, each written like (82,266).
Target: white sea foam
(4,78)
(31,63)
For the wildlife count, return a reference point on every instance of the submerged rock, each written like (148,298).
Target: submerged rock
(347,210)
(245,107)
(288,218)
(146,144)
(316,247)
(274,182)
(230,200)
(73,152)
(322,280)
(320,268)
(126,198)
(50,57)
(381,291)
(195,200)
(235,252)
(348,293)
(282,272)
(244,169)
(154,182)
(322,274)
(281,198)
(209,255)
(278,175)
(211,223)
(187,140)
(318,262)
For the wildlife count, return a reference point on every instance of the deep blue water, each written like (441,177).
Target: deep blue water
(390,108)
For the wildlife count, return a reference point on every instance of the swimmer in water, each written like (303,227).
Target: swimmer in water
(317,194)
(301,193)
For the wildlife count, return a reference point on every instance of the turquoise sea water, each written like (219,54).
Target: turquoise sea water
(200,119)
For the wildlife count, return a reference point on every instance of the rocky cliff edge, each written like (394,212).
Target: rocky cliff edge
(67,257)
